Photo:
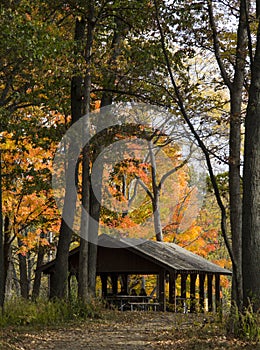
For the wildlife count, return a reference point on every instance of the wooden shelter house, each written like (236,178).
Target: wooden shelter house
(128,256)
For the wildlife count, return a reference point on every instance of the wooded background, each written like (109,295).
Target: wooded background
(200,60)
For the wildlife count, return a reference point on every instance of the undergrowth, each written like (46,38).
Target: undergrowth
(21,312)
(18,312)
(246,324)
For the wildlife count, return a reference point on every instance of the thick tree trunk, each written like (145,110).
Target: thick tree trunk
(58,285)
(236,91)
(83,288)
(95,205)
(83,291)
(96,181)
(251,189)
(235,195)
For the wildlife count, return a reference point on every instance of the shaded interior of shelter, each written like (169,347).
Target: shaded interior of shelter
(120,258)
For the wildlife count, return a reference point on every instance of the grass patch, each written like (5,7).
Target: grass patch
(20,312)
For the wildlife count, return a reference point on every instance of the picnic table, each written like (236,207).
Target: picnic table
(134,302)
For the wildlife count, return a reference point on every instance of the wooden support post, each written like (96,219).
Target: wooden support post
(217,291)
(183,291)
(172,288)
(162,291)
(103,278)
(201,291)
(193,278)
(210,296)
(176,301)
(124,284)
(114,280)
(157,287)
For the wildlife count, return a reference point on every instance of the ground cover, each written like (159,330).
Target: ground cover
(127,330)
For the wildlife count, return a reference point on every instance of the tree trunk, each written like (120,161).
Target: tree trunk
(96,181)
(2,262)
(24,286)
(37,276)
(156,196)
(7,244)
(95,200)
(235,195)
(83,292)
(83,289)
(7,256)
(236,91)
(236,213)
(9,282)
(58,285)
(157,219)
(15,279)
(251,189)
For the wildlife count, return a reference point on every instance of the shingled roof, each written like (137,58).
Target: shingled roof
(167,254)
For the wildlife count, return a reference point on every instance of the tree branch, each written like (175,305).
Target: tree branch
(198,139)
(145,187)
(172,171)
(130,199)
(216,44)
(244,3)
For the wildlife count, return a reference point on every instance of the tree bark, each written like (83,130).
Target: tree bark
(235,195)
(83,289)
(2,262)
(37,276)
(251,189)
(24,286)
(58,284)
(96,181)
(156,196)
(7,245)
(9,282)
(236,90)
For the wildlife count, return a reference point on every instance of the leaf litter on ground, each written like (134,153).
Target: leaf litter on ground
(127,330)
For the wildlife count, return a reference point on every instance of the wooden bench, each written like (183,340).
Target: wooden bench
(143,306)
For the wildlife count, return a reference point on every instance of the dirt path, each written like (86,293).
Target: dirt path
(128,330)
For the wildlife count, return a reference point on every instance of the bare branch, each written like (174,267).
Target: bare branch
(130,199)
(145,188)
(216,44)
(172,171)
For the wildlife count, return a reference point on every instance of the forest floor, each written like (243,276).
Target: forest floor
(126,330)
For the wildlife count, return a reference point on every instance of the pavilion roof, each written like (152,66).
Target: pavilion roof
(167,254)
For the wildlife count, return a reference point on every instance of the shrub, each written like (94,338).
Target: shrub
(246,324)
